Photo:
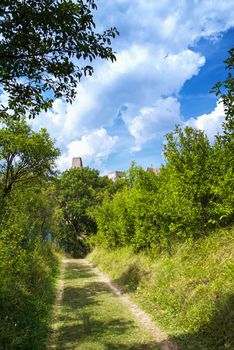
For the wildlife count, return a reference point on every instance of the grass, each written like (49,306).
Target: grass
(91,317)
(190,294)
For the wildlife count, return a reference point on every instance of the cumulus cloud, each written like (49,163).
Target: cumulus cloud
(155,57)
(210,123)
(171,24)
(93,102)
(154,122)
(93,147)
(99,99)
(173,70)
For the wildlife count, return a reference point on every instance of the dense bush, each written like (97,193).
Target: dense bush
(192,194)
(28,264)
(27,293)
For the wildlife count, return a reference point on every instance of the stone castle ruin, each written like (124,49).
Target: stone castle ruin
(114,175)
(77,162)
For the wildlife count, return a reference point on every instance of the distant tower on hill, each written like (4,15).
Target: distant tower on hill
(77,162)
(156,171)
(114,175)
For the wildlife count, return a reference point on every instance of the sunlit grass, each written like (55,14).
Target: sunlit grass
(91,317)
(190,294)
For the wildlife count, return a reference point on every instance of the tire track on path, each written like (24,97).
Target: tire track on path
(91,313)
(141,316)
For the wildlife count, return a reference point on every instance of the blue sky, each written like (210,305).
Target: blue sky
(169,55)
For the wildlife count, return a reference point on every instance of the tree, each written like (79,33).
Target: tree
(41,46)
(27,263)
(25,155)
(79,191)
(186,188)
(225,90)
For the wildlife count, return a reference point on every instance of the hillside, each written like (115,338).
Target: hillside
(190,293)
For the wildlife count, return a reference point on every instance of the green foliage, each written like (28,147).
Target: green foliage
(79,191)
(26,156)
(114,220)
(192,194)
(225,90)
(188,293)
(27,293)
(28,264)
(41,45)
(27,270)
(222,184)
(187,174)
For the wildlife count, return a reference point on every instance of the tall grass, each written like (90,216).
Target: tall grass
(190,293)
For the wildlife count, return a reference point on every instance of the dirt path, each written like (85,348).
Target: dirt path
(56,308)
(94,315)
(141,317)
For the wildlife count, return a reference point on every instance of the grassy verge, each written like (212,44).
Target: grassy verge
(26,301)
(190,293)
(91,317)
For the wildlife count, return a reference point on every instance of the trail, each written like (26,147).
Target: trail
(92,314)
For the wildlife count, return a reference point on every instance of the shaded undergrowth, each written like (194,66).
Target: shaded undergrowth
(217,333)
(26,301)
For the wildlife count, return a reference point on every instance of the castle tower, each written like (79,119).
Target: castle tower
(77,162)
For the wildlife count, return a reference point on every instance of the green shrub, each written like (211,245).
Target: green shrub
(193,194)
(26,297)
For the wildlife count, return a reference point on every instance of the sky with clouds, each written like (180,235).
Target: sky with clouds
(169,55)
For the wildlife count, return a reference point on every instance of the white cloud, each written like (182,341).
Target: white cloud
(153,122)
(127,61)
(173,70)
(172,24)
(93,92)
(166,76)
(156,55)
(210,123)
(69,121)
(93,147)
